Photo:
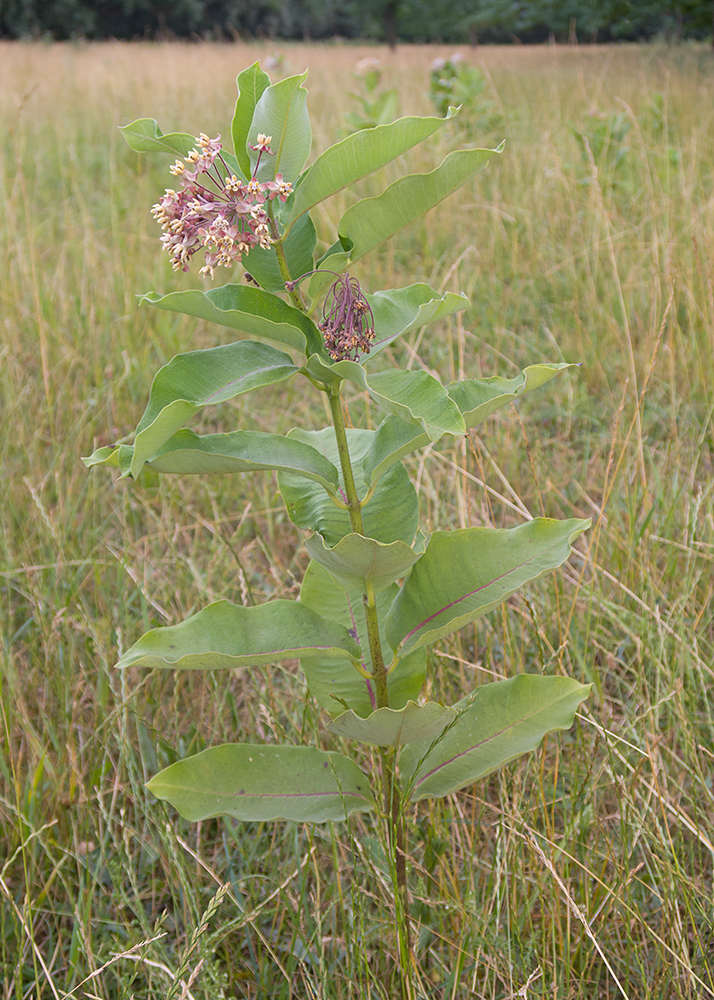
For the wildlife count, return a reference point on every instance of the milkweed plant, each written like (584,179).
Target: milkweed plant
(378,591)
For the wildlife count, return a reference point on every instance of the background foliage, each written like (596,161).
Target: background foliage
(585,870)
(455,22)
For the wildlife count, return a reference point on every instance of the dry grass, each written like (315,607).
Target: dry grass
(582,872)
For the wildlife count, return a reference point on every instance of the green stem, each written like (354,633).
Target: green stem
(379,670)
(392,804)
(353,503)
(294,294)
(354,506)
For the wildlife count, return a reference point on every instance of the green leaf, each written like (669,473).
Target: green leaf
(191,381)
(145,136)
(108,456)
(478,398)
(418,398)
(253,311)
(391,514)
(226,635)
(299,250)
(499,723)
(415,396)
(281,112)
(334,374)
(187,453)
(356,157)
(373,220)
(464,574)
(393,439)
(334,683)
(388,727)
(357,559)
(475,398)
(399,310)
(263,783)
(251,83)
(112,457)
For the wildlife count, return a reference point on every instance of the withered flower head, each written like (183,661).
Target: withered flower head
(347,322)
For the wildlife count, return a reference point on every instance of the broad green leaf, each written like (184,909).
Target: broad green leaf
(281,112)
(393,439)
(414,396)
(112,457)
(251,83)
(418,398)
(466,573)
(388,727)
(145,136)
(373,220)
(335,373)
(187,453)
(108,455)
(253,311)
(226,635)
(356,559)
(499,723)
(356,157)
(191,381)
(478,398)
(391,514)
(263,783)
(334,683)
(399,310)
(299,250)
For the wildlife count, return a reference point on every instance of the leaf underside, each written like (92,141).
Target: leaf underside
(502,721)
(263,783)
(226,635)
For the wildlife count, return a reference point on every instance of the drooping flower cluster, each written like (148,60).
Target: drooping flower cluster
(214,210)
(347,322)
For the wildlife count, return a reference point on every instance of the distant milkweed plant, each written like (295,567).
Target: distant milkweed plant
(377,591)
(379,107)
(453,83)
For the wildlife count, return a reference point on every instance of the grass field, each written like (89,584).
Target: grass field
(583,871)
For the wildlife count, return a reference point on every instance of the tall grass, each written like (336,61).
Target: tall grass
(584,871)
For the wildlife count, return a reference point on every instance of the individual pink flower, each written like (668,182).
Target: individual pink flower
(279,188)
(262,144)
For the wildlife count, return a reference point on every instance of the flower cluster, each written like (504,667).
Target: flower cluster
(347,322)
(214,210)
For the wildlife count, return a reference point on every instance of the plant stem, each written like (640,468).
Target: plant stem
(401,895)
(379,671)
(392,804)
(295,295)
(353,502)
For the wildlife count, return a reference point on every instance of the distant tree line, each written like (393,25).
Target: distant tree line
(449,21)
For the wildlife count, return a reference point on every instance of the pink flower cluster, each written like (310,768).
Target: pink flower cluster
(214,210)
